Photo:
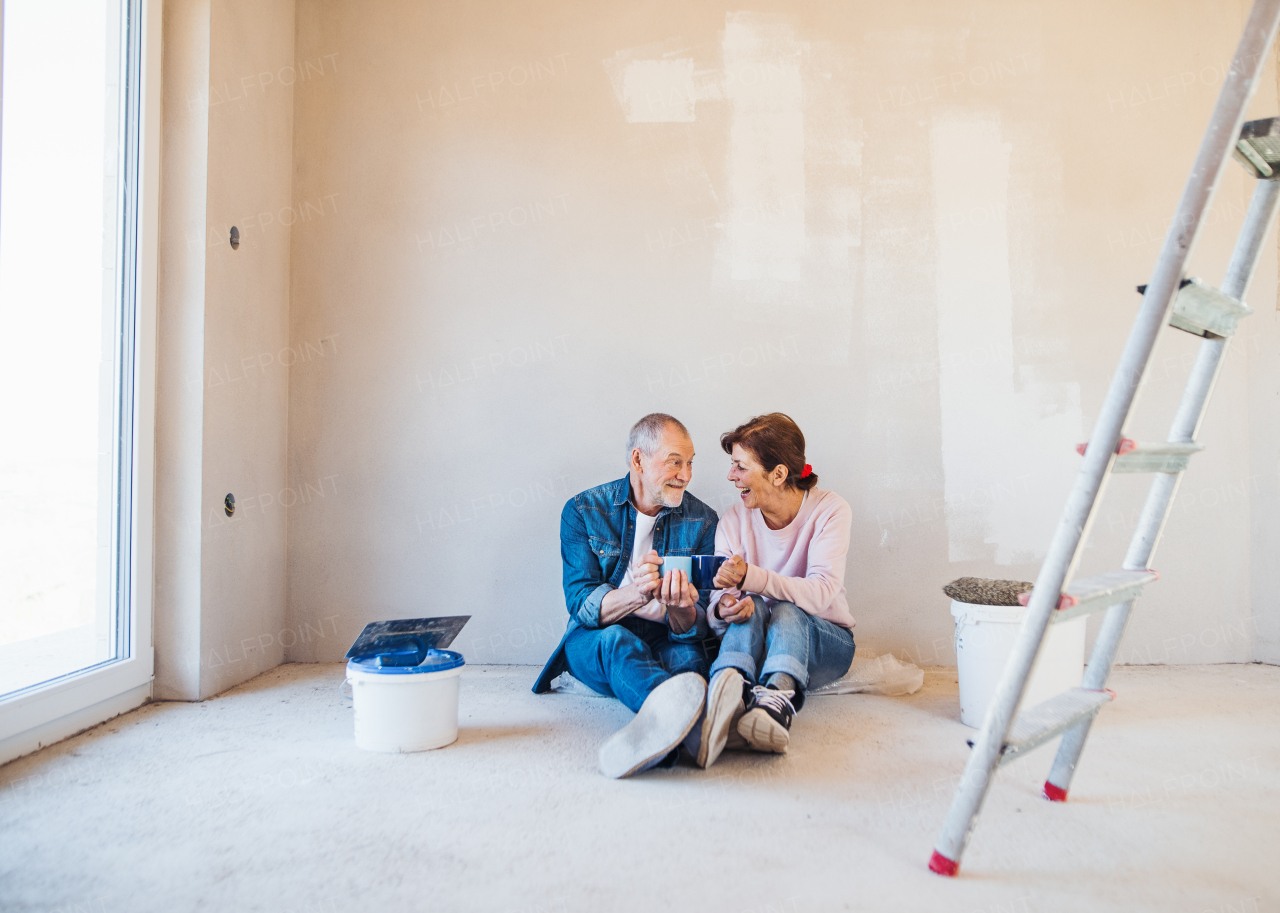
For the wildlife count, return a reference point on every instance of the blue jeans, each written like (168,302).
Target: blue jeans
(627,660)
(810,649)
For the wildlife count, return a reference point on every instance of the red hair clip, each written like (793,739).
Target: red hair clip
(808,471)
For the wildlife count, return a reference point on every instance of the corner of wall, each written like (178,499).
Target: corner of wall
(1264,386)
(222,396)
(180,349)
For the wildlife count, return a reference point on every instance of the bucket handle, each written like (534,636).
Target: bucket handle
(345,682)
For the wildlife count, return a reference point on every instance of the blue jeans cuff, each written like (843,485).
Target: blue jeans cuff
(788,664)
(743,662)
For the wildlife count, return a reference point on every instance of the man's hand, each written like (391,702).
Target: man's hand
(681,599)
(620,603)
(677,592)
(734,610)
(731,573)
(648,576)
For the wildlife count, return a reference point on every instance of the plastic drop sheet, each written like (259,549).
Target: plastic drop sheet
(883,674)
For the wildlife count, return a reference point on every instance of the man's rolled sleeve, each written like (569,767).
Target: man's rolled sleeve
(584,583)
(588,613)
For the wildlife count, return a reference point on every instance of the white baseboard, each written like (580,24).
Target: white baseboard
(63,727)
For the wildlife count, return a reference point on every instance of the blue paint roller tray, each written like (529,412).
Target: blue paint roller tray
(405,641)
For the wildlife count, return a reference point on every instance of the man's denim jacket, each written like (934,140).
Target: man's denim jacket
(597,531)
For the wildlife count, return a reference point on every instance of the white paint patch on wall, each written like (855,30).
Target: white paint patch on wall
(764,234)
(833,200)
(1002,429)
(658,91)
(787,206)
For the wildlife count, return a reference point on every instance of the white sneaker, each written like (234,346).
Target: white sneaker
(726,701)
(665,718)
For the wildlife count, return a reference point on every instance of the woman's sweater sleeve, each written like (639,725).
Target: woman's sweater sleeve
(824,576)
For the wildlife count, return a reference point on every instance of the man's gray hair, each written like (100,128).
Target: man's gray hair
(646,434)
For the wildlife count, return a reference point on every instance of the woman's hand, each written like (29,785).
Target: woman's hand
(731,573)
(734,610)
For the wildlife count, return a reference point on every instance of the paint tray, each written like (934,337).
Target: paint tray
(406,641)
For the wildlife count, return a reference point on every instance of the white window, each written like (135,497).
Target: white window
(76,352)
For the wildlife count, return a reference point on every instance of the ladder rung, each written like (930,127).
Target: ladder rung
(1256,164)
(1055,716)
(1093,594)
(1202,310)
(1156,457)
(1258,148)
(1163,456)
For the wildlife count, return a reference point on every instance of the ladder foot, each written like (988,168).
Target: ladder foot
(943,866)
(1054,793)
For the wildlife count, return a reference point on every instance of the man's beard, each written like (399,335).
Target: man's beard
(670,497)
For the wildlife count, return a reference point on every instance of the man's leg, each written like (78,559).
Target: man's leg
(616,662)
(678,656)
(734,668)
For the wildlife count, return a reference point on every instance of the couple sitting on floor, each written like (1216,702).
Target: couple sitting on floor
(777,605)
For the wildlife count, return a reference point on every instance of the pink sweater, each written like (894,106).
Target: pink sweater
(802,563)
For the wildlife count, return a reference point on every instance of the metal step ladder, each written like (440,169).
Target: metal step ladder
(1197,308)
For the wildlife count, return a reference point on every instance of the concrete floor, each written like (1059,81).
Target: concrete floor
(259,800)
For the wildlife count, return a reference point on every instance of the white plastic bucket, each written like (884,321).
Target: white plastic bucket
(984,639)
(406,708)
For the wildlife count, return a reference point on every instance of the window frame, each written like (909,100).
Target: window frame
(51,711)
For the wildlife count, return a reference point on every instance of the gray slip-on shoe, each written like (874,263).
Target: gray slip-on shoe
(725,706)
(665,718)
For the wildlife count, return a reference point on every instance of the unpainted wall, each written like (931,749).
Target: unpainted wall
(914,227)
(223,419)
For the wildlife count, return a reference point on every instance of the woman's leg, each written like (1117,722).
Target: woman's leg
(812,650)
(743,645)
(802,651)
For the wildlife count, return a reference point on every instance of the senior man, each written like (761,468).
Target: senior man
(635,633)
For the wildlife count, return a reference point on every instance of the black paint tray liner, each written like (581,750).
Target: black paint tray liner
(405,641)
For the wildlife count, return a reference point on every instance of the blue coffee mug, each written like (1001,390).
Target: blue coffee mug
(704,570)
(677,563)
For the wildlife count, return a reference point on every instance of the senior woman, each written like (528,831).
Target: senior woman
(780,602)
